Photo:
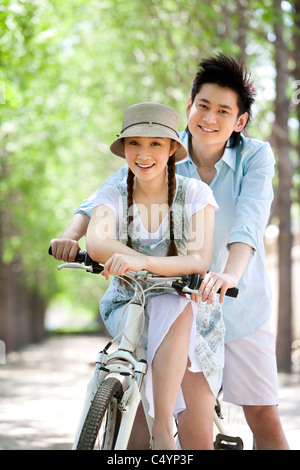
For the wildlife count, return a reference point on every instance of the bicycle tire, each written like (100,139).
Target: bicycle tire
(102,422)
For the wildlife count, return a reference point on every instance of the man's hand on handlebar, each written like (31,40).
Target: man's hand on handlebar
(64,249)
(214,282)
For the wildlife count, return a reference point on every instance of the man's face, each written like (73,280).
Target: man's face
(214,115)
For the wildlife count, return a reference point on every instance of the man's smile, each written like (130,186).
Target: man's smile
(206,129)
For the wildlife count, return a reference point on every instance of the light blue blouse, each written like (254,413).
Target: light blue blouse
(243,190)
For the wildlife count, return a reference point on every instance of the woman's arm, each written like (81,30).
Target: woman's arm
(199,248)
(101,240)
(118,258)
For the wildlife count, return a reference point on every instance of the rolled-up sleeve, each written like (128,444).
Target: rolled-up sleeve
(255,198)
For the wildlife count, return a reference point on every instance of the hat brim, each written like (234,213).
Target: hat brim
(117,147)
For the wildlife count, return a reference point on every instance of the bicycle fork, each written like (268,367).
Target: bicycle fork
(123,363)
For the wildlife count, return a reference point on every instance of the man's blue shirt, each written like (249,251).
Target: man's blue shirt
(242,187)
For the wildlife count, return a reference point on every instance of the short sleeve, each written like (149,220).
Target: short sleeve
(108,196)
(88,204)
(111,197)
(198,196)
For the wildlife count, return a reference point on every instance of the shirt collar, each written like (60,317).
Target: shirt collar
(229,156)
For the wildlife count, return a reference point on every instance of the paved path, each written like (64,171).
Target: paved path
(42,389)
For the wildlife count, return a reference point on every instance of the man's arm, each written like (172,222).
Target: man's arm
(66,246)
(239,255)
(87,205)
(252,214)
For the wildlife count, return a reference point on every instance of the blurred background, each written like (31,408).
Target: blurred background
(68,70)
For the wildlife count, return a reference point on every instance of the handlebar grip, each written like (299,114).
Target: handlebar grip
(231,292)
(80,257)
(196,280)
(83,257)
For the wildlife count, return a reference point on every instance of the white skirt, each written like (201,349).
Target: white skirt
(206,345)
(163,310)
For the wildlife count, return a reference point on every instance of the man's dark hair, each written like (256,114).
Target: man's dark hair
(225,71)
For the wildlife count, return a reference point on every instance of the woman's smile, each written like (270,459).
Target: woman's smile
(143,166)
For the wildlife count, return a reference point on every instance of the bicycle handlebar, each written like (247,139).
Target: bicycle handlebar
(190,281)
(83,257)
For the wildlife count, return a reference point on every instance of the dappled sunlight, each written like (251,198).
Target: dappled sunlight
(42,389)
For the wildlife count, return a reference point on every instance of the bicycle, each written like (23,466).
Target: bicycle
(111,402)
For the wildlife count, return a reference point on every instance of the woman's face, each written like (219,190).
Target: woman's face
(147,157)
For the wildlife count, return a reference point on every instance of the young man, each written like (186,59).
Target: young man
(239,170)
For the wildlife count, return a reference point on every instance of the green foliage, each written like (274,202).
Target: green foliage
(68,70)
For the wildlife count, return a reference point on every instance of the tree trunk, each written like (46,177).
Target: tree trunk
(243,27)
(21,308)
(295,99)
(282,144)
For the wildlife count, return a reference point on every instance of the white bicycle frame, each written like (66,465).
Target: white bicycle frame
(123,362)
(134,370)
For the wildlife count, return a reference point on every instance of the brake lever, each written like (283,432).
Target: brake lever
(189,284)
(90,265)
(75,266)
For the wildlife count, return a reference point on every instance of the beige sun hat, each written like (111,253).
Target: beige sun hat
(149,120)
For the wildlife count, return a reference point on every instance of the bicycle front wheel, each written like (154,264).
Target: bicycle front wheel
(102,422)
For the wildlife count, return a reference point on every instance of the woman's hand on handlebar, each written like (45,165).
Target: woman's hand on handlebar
(119,264)
(212,282)
(195,298)
(64,249)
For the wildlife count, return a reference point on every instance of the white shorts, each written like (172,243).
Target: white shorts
(250,373)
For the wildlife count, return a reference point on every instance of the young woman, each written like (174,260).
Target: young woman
(164,223)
